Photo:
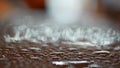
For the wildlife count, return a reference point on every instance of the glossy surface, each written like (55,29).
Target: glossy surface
(29,55)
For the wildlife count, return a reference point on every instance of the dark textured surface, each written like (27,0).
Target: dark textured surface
(29,55)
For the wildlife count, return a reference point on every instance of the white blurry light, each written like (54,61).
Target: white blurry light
(66,11)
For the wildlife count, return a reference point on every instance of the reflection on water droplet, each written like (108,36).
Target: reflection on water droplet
(35,48)
(60,63)
(94,66)
(101,52)
(69,62)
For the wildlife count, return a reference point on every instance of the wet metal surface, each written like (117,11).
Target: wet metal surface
(29,55)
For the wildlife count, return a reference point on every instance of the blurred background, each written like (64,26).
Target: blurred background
(105,12)
(110,8)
